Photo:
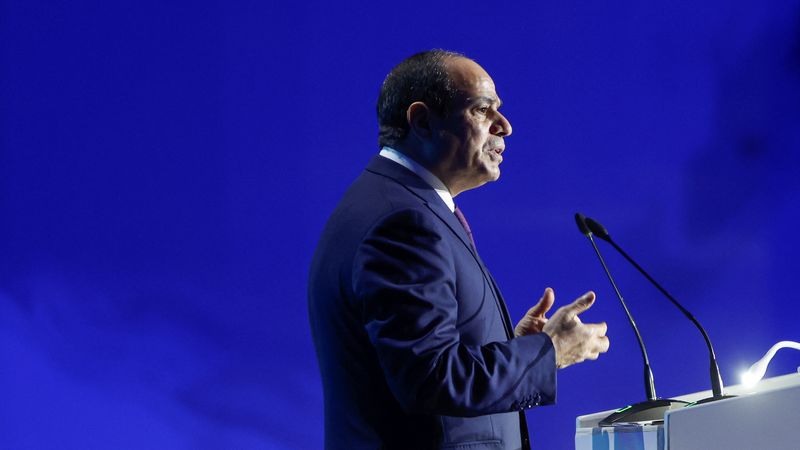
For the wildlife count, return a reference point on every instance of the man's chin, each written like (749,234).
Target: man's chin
(487,175)
(493,176)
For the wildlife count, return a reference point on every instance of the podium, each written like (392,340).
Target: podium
(765,416)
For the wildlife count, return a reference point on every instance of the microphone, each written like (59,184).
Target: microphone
(653,409)
(717,388)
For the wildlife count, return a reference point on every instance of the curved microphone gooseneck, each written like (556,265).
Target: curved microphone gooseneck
(717,388)
(653,408)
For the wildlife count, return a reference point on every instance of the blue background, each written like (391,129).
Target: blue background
(166,169)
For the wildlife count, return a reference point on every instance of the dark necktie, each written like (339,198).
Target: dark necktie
(465,224)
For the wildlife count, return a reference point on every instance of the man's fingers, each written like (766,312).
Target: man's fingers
(544,304)
(603,344)
(582,303)
(597,329)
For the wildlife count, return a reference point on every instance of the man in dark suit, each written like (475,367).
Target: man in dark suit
(414,342)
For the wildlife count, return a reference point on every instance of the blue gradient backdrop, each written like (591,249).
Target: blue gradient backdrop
(166,168)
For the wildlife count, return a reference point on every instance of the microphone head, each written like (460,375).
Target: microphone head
(598,230)
(580,219)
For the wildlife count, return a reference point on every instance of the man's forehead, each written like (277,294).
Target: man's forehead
(471,80)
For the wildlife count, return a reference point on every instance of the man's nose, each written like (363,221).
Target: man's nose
(501,126)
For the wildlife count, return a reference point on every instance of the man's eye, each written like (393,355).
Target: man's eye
(483,110)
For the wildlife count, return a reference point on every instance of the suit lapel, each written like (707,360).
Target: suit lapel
(423,190)
(443,212)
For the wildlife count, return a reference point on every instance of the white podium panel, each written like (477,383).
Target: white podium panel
(766,416)
(633,437)
(767,419)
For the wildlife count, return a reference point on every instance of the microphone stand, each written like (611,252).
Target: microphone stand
(717,388)
(654,408)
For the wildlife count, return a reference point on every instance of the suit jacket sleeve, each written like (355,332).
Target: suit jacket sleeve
(404,279)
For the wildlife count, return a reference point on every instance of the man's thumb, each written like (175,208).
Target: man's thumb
(544,304)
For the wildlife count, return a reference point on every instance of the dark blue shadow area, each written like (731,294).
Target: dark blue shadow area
(166,168)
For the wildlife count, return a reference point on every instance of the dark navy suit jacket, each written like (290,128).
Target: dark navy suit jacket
(414,342)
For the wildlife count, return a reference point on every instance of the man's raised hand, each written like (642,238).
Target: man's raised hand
(574,341)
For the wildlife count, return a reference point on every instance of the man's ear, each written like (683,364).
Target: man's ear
(419,118)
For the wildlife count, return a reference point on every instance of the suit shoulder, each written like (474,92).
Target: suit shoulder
(380,188)
(372,196)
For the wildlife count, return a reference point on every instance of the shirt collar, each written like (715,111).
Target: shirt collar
(425,174)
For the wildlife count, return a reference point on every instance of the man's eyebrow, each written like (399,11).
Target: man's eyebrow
(487,99)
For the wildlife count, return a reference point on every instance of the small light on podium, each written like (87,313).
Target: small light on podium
(756,372)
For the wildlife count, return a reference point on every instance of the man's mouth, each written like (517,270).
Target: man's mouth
(496,154)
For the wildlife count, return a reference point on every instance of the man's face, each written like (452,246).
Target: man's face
(470,139)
